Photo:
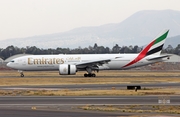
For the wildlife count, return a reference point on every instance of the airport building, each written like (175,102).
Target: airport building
(174,58)
(172,64)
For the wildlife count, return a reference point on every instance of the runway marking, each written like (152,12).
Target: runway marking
(100,98)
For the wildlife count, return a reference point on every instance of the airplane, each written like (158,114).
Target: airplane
(72,63)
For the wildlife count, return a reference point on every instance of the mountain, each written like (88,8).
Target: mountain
(138,29)
(173,41)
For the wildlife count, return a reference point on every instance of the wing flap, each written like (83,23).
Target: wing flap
(97,62)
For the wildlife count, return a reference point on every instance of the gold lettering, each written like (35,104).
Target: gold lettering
(30,61)
(46,60)
(42,61)
(62,61)
(58,61)
(54,60)
(37,61)
(50,61)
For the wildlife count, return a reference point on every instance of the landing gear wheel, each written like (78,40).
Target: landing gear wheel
(90,75)
(93,75)
(22,75)
(85,75)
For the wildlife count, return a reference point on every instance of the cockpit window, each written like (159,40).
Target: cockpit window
(12,61)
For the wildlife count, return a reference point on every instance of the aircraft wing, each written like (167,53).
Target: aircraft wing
(159,57)
(97,62)
(94,63)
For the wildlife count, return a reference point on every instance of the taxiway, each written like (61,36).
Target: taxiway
(83,100)
(46,106)
(90,86)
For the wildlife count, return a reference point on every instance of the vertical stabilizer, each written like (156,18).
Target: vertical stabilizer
(153,48)
(156,46)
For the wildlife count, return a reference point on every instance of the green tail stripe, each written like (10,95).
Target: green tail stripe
(162,37)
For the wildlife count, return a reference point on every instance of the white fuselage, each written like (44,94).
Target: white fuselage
(52,62)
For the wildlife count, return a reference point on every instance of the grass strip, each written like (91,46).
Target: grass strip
(159,109)
(85,92)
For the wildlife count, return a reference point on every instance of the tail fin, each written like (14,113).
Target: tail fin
(153,48)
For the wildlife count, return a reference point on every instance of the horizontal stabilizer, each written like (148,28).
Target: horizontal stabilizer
(159,57)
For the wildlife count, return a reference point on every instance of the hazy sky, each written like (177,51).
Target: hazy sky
(23,18)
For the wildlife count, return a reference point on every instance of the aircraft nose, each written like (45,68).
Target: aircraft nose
(8,64)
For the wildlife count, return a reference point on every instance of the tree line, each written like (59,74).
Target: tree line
(13,50)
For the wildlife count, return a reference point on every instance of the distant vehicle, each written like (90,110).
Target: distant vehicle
(70,64)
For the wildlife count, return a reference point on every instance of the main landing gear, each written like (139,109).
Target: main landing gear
(89,74)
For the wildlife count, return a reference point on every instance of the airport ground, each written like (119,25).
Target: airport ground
(48,94)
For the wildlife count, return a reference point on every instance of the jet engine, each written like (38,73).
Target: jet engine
(66,69)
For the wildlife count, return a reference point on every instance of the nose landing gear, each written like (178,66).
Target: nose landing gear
(21,73)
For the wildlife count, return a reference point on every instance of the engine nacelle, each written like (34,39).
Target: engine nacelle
(66,69)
